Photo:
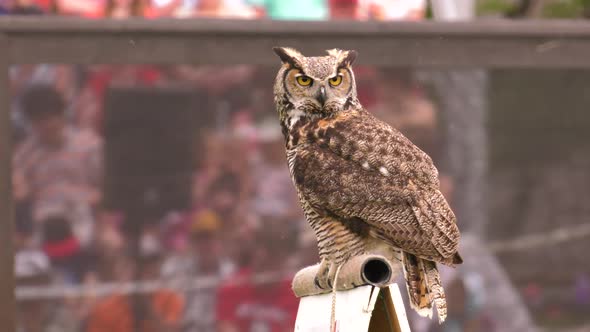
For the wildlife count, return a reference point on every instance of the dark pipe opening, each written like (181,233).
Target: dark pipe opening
(376,271)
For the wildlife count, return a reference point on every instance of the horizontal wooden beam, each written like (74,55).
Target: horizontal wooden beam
(492,44)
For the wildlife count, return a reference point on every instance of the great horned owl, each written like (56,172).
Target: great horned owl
(359,180)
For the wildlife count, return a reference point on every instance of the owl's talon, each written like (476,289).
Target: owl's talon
(316,281)
(326,275)
(322,277)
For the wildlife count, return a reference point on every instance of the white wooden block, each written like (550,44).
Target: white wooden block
(400,309)
(354,309)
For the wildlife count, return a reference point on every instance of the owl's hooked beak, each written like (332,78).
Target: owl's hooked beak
(322,96)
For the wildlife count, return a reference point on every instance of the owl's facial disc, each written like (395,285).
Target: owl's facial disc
(319,92)
(338,88)
(316,86)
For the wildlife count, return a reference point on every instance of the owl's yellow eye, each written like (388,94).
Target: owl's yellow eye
(336,80)
(304,80)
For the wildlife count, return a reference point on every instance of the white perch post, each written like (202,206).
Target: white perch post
(366,297)
(365,308)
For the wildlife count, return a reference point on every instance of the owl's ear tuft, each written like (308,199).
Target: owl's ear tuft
(343,58)
(289,56)
(350,57)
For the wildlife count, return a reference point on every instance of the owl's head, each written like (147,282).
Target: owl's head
(315,85)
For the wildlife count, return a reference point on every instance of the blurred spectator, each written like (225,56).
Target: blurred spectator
(174,233)
(345,9)
(244,303)
(4,7)
(126,9)
(57,168)
(397,10)
(223,196)
(207,245)
(84,8)
(291,9)
(208,262)
(63,248)
(24,7)
(223,9)
(274,195)
(173,8)
(61,77)
(32,268)
(23,218)
(87,111)
(50,6)
(109,246)
(222,181)
(159,311)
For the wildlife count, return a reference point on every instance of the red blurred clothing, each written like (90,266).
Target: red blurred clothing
(249,307)
(131,75)
(44,4)
(84,8)
(62,249)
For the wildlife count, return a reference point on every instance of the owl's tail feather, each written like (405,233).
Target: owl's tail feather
(424,287)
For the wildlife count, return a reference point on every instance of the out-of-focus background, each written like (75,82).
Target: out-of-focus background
(157,197)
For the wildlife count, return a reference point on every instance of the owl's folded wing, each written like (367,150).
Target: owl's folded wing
(405,208)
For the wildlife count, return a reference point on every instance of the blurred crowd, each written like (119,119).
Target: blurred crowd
(225,262)
(246,9)
(243,221)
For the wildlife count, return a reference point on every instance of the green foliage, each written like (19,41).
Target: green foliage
(429,14)
(551,8)
(564,9)
(490,7)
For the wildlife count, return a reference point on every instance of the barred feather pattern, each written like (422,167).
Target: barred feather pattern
(358,171)
(435,289)
(424,287)
(336,242)
(416,286)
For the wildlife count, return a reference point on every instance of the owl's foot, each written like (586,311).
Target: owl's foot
(326,274)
